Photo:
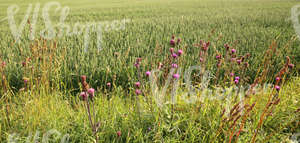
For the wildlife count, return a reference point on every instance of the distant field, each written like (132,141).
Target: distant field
(248,25)
(40,79)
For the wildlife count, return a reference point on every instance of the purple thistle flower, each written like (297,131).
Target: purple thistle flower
(237,78)
(176,76)
(174,66)
(291,66)
(233,59)
(25,81)
(137,65)
(108,84)
(83,95)
(138,92)
(148,73)
(218,57)
(172,50)
(232,74)
(277,87)
(233,51)
(172,42)
(180,52)
(236,81)
(119,133)
(91,92)
(277,78)
(201,60)
(174,55)
(137,84)
(239,61)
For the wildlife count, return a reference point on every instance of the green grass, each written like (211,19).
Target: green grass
(36,111)
(250,26)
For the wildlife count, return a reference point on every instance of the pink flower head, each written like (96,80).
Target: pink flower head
(148,73)
(25,81)
(277,78)
(174,65)
(232,74)
(91,92)
(233,51)
(119,133)
(137,84)
(137,65)
(236,81)
(277,87)
(218,57)
(108,84)
(233,59)
(174,55)
(237,78)
(291,66)
(180,52)
(172,50)
(176,76)
(138,92)
(239,61)
(201,60)
(172,42)
(83,95)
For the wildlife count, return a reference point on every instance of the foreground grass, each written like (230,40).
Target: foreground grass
(139,120)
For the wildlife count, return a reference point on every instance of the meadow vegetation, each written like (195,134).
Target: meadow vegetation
(244,88)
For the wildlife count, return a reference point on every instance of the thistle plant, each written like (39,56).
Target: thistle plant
(88,95)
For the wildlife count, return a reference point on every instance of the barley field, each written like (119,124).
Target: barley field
(149,71)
